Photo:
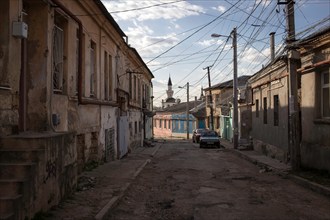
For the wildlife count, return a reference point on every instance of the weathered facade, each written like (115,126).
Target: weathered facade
(270,104)
(269,89)
(221,104)
(70,87)
(315,100)
(172,121)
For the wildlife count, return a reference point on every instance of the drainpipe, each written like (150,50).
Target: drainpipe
(80,37)
(272,46)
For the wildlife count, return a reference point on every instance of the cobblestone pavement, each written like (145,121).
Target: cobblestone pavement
(183,181)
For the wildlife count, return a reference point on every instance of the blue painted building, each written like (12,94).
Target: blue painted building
(172,121)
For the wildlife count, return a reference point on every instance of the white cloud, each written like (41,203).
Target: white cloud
(210,42)
(125,10)
(140,37)
(220,8)
(253,56)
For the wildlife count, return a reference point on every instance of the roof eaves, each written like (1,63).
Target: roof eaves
(109,17)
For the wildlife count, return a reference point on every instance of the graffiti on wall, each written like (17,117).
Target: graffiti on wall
(50,170)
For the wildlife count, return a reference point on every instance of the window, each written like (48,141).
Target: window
(325,93)
(257,108)
(160,123)
(276,110)
(139,90)
(130,86)
(134,88)
(265,110)
(165,123)
(110,76)
(106,76)
(92,69)
(60,26)
(217,99)
(77,62)
(169,124)
(136,128)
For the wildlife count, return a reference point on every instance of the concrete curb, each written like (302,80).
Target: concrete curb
(258,163)
(156,150)
(323,190)
(114,201)
(310,185)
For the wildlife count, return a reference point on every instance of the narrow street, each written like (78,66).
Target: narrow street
(186,182)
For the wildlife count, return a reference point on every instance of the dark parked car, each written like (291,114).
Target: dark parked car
(197,133)
(209,139)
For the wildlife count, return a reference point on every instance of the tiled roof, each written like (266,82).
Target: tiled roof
(229,84)
(180,107)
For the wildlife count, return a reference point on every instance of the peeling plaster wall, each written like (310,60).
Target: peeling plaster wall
(10,49)
(315,146)
(108,121)
(136,133)
(269,139)
(38,66)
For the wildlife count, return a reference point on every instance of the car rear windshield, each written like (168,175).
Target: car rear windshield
(210,134)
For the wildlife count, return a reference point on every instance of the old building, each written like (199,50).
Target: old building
(220,106)
(269,89)
(315,100)
(270,104)
(172,121)
(70,87)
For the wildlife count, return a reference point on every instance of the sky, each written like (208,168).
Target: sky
(173,37)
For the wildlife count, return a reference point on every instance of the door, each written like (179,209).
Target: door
(122,136)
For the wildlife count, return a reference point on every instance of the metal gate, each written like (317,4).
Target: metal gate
(226,127)
(109,144)
(123,136)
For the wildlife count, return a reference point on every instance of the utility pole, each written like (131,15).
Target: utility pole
(293,56)
(294,120)
(187,110)
(211,99)
(235,103)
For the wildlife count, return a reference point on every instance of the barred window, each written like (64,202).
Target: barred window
(58,62)
(92,69)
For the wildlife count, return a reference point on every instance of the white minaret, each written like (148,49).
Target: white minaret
(169,91)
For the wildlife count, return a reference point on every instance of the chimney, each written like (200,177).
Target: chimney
(272,46)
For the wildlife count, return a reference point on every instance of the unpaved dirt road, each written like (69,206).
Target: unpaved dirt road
(188,183)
